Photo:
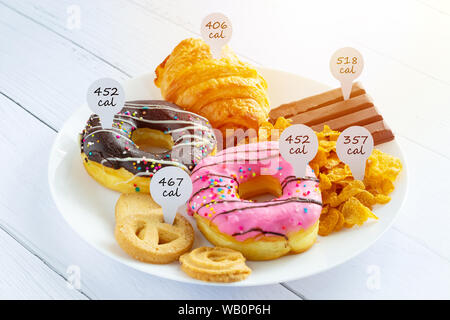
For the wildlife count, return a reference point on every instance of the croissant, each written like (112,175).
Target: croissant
(231,94)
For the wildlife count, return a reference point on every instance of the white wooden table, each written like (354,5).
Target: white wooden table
(47,61)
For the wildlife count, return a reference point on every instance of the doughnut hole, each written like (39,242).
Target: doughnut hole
(152,141)
(260,188)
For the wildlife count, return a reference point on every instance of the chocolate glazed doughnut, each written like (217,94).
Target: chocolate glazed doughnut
(119,157)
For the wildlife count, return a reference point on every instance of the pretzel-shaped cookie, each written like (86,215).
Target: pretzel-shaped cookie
(142,233)
(215,264)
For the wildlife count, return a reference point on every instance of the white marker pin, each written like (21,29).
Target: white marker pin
(298,146)
(171,188)
(353,147)
(106,97)
(216,31)
(346,65)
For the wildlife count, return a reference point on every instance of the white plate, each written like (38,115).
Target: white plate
(88,207)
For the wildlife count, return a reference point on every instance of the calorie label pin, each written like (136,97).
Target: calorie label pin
(216,31)
(106,97)
(353,147)
(298,145)
(170,187)
(346,65)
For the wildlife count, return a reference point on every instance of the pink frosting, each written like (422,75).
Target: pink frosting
(215,193)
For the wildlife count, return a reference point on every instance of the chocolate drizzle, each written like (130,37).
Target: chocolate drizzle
(209,174)
(261,231)
(275,202)
(243,161)
(113,147)
(225,154)
(297,199)
(206,188)
(293,178)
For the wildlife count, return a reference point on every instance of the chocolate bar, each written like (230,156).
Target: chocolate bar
(331,109)
(380,132)
(329,97)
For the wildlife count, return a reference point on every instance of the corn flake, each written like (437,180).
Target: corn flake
(356,213)
(328,222)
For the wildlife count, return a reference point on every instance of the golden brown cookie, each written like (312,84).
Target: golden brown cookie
(142,233)
(215,264)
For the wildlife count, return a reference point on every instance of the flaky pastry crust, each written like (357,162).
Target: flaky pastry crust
(231,94)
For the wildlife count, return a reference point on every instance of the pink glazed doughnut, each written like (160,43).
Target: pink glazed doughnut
(260,230)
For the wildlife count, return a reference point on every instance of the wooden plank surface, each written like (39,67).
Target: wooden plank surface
(25,276)
(43,84)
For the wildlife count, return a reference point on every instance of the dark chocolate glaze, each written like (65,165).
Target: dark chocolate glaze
(113,147)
